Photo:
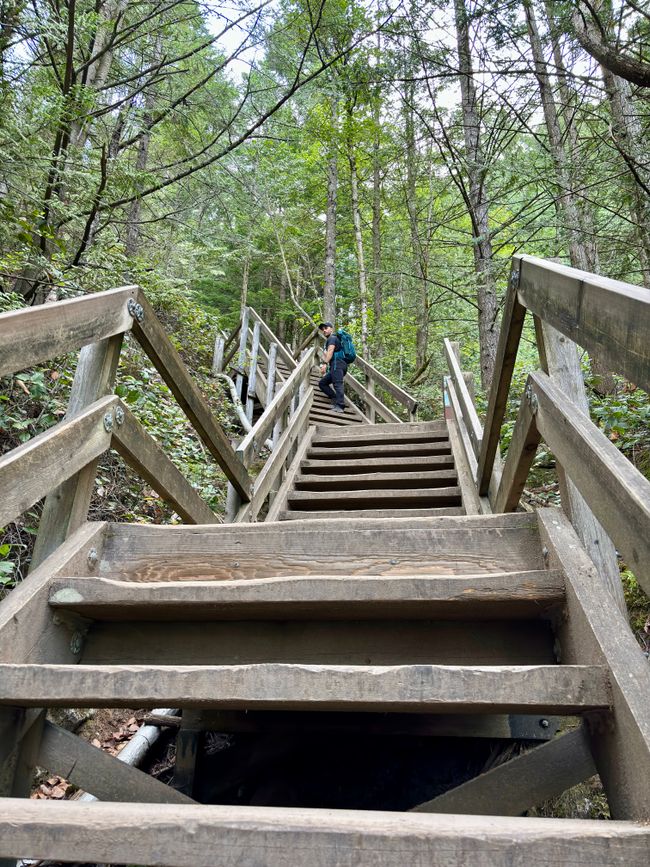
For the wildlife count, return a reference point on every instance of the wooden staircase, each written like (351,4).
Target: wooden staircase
(382,600)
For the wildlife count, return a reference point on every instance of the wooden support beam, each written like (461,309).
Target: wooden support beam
(559,359)
(520,457)
(372,400)
(280,498)
(467,410)
(155,342)
(217,357)
(252,372)
(595,631)
(606,317)
(283,352)
(484,689)
(495,595)
(523,782)
(37,334)
(512,323)
(267,478)
(97,772)
(615,490)
(189,836)
(254,440)
(146,457)
(33,469)
(387,384)
(188,742)
(66,507)
(241,358)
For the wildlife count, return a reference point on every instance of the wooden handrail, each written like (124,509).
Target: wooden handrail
(254,440)
(615,490)
(283,352)
(468,411)
(388,385)
(36,334)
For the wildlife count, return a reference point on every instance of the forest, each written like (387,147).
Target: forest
(377,163)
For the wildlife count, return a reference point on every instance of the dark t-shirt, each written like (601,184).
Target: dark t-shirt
(335,341)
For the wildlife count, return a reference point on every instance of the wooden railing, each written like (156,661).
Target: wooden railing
(62,461)
(608,318)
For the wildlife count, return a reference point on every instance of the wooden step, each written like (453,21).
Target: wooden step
(325,514)
(565,690)
(422,427)
(190,835)
(373,435)
(394,481)
(395,450)
(435,544)
(378,465)
(483,596)
(375,498)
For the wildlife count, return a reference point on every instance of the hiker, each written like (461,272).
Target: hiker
(335,359)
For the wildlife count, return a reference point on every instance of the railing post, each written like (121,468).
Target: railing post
(241,360)
(66,508)
(217,358)
(252,372)
(370,410)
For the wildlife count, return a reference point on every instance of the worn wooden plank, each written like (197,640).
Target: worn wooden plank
(244,334)
(217,355)
(395,498)
(522,782)
(97,772)
(499,595)
(323,515)
(353,481)
(141,451)
(155,342)
(614,489)
(512,323)
(387,384)
(418,430)
(253,440)
(520,457)
(29,632)
(372,400)
(66,507)
(595,631)
(189,836)
(37,334)
(380,450)
(485,689)
(280,498)
(606,317)
(389,465)
(33,469)
(267,478)
(469,494)
(467,410)
(559,359)
(271,373)
(283,353)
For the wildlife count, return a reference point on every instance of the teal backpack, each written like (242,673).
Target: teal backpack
(347,346)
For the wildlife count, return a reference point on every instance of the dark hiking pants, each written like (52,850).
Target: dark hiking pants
(334,377)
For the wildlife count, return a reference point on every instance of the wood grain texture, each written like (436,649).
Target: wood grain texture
(613,488)
(520,457)
(324,514)
(389,465)
(280,499)
(606,317)
(595,631)
(189,836)
(485,689)
(354,481)
(467,409)
(32,470)
(386,498)
(37,334)
(523,782)
(97,772)
(379,450)
(167,361)
(496,595)
(403,432)
(146,457)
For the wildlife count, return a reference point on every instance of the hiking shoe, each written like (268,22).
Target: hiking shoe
(337,408)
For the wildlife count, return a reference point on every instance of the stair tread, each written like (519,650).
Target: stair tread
(495,595)
(566,689)
(323,514)
(368,436)
(372,451)
(351,481)
(371,496)
(390,465)
(190,835)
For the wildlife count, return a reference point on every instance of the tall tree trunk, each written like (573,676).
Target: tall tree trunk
(422,308)
(479,205)
(358,236)
(329,288)
(377,282)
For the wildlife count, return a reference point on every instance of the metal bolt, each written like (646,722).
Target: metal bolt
(136,310)
(544,723)
(108,422)
(545,552)
(236,565)
(393,562)
(119,415)
(76,642)
(531,399)
(93,558)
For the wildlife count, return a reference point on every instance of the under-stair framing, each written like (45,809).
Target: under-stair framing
(376,588)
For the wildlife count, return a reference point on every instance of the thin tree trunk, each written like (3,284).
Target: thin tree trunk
(329,288)
(476,171)
(377,282)
(358,237)
(422,309)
